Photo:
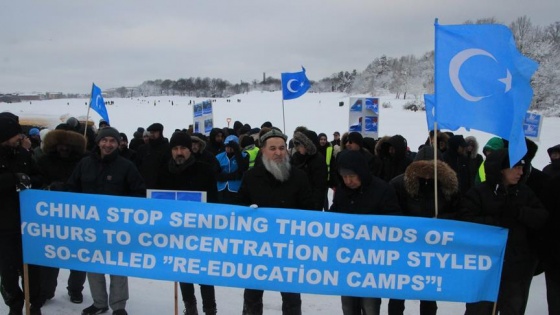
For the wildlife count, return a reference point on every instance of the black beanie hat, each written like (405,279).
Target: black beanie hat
(247,140)
(155,127)
(8,128)
(108,132)
(182,139)
(123,136)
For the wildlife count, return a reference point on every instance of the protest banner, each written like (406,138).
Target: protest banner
(270,249)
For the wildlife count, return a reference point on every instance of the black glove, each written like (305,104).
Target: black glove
(23,181)
(57,186)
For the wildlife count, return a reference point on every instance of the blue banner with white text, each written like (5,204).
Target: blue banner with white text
(266,248)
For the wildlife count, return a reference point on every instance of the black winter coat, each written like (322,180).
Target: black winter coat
(374,196)
(111,175)
(261,188)
(315,168)
(197,176)
(150,157)
(515,207)
(12,161)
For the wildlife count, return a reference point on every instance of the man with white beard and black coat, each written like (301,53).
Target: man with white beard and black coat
(274,183)
(184,172)
(359,192)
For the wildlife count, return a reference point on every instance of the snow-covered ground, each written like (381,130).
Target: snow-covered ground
(317,111)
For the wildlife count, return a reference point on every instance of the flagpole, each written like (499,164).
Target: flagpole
(435,144)
(283,114)
(87,114)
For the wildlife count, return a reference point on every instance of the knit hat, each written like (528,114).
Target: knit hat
(180,139)
(356,137)
(33,132)
(8,128)
(103,123)
(494,144)
(155,127)
(273,134)
(267,124)
(123,137)
(108,132)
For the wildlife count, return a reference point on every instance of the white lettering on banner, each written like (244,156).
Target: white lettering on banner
(61,232)
(392,281)
(367,257)
(232,222)
(235,246)
(136,216)
(270,273)
(453,261)
(346,231)
(107,257)
(65,210)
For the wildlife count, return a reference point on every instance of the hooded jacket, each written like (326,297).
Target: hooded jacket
(55,168)
(553,169)
(415,190)
(393,164)
(374,196)
(514,207)
(314,165)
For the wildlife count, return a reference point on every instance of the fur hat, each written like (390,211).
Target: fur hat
(8,128)
(306,139)
(182,139)
(108,132)
(76,141)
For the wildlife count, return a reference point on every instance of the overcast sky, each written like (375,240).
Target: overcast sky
(65,45)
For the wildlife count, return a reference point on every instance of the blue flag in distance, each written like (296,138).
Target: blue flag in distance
(98,104)
(483,82)
(294,84)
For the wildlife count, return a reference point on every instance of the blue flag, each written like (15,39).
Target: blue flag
(98,104)
(294,84)
(483,82)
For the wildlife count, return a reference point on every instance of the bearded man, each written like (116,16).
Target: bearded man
(274,184)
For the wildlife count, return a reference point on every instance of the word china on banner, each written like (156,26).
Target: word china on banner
(268,249)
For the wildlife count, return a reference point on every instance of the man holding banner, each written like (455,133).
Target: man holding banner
(106,172)
(503,201)
(274,183)
(184,172)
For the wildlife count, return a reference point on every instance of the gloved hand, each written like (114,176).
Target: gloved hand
(57,186)
(23,181)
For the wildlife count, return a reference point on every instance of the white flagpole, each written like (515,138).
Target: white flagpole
(87,114)
(283,114)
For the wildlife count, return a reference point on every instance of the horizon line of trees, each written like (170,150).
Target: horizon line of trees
(406,76)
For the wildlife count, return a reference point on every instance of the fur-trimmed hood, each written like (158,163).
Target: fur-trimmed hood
(76,142)
(201,142)
(447,179)
(474,152)
(307,143)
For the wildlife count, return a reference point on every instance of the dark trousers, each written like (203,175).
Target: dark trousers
(396,307)
(11,269)
(206,291)
(76,281)
(253,305)
(352,305)
(49,276)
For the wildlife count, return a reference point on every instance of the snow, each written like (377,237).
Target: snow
(317,111)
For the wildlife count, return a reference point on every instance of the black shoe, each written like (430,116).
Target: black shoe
(120,312)
(35,310)
(76,297)
(92,310)
(210,311)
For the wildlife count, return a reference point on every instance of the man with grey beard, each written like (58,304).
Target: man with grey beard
(274,184)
